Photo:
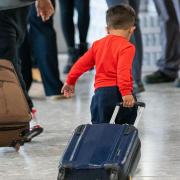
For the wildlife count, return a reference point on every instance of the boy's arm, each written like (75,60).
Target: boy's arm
(124,75)
(85,63)
(44,9)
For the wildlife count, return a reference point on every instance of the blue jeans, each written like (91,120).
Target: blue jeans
(136,39)
(103,104)
(41,39)
(13,24)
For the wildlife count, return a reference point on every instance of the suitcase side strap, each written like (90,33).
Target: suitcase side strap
(77,144)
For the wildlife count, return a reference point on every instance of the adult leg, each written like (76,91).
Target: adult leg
(137,40)
(26,64)
(67,13)
(177,9)
(12,30)
(42,38)
(83,24)
(170,36)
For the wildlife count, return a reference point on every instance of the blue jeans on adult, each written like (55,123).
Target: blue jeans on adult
(42,42)
(136,39)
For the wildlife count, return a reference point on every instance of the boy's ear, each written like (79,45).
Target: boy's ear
(132,29)
(107,29)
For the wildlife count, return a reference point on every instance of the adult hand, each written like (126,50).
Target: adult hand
(44,9)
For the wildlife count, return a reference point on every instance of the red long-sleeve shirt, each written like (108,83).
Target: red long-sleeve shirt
(112,56)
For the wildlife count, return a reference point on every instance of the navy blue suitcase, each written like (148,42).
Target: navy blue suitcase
(101,152)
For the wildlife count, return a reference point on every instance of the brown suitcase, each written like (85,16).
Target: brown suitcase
(14,110)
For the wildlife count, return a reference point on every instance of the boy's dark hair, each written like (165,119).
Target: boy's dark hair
(120,17)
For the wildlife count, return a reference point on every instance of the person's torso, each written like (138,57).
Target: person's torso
(11,4)
(106,54)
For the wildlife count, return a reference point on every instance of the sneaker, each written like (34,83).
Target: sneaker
(56,97)
(138,88)
(36,75)
(158,77)
(35,128)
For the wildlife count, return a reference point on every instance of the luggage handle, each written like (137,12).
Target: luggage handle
(139,114)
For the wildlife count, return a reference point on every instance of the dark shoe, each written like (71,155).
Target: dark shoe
(158,77)
(56,97)
(72,58)
(82,48)
(138,88)
(67,68)
(33,132)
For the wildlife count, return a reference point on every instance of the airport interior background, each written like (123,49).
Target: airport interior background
(159,127)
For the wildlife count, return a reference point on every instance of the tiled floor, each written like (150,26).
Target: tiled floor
(159,130)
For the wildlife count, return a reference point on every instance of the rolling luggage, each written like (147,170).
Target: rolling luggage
(14,110)
(102,152)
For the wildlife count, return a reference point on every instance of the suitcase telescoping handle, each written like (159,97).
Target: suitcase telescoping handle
(141,106)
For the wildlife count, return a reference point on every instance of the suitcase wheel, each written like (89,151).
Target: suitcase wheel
(114,175)
(61,174)
(17,146)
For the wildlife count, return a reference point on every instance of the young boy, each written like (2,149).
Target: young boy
(112,56)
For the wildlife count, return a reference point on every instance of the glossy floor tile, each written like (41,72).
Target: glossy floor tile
(159,131)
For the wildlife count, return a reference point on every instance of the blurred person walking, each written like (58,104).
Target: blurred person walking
(13,23)
(137,40)
(67,8)
(168,64)
(40,44)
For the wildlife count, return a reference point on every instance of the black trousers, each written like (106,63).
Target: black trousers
(12,30)
(103,105)
(67,13)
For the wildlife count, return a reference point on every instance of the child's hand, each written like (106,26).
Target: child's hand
(44,9)
(128,101)
(68,90)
